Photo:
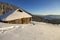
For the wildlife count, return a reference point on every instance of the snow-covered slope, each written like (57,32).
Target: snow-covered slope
(33,31)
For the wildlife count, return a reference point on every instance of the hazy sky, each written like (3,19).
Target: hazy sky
(37,6)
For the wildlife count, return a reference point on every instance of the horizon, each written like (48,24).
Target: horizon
(38,7)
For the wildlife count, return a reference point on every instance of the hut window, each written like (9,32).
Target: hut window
(20,10)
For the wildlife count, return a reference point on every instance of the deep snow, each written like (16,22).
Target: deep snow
(33,31)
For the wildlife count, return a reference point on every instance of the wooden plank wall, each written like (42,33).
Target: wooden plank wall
(20,21)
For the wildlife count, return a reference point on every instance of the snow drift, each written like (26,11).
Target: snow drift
(33,31)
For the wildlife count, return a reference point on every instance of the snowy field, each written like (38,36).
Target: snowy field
(33,31)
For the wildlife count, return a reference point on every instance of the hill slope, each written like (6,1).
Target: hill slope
(5,7)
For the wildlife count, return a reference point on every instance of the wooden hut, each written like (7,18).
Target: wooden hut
(16,16)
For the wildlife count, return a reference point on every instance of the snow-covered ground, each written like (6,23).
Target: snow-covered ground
(33,31)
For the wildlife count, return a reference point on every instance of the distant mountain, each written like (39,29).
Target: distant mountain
(54,19)
(49,17)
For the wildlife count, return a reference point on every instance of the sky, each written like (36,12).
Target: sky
(39,7)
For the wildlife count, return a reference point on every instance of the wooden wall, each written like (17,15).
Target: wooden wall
(20,21)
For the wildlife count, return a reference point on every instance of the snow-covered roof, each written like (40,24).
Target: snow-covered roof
(14,14)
